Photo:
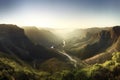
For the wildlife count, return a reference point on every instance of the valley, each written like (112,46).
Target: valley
(59,40)
(32,53)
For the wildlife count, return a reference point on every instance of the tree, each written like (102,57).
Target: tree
(116,57)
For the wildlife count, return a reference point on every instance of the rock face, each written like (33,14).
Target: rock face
(98,42)
(115,36)
(115,32)
(14,43)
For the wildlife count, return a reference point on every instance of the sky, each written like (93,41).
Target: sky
(60,13)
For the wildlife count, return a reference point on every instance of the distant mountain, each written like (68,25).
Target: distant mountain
(14,43)
(81,37)
(43,37)
(82,33)
(96,41)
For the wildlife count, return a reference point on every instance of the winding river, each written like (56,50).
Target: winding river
(73,61)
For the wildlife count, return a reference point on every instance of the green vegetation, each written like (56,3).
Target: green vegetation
(109,70)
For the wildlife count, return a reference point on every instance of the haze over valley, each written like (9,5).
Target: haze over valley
(29,49)
(59,40)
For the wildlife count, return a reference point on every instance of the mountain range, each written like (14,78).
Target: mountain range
(34,52)
(15,44)
(94,43)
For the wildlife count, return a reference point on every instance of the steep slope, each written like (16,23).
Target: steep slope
(95,42)
(114,40)
(115,36)
(86,41)
(43,37)
(78,34)
(14,43)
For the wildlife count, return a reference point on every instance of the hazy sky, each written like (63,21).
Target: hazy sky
(60,13)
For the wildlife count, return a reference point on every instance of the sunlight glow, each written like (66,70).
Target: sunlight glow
(49,20)
(63,14)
